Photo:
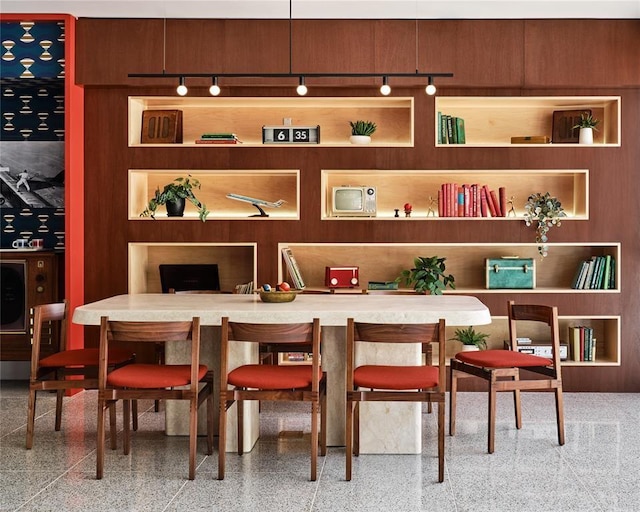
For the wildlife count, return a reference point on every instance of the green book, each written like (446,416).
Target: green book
(460,130)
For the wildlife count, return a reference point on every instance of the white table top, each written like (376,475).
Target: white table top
(331,309)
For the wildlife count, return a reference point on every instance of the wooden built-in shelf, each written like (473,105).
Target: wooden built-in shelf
(237,262)
(420,189)
(246,116)
(465,261)
(269,184)
(492,121)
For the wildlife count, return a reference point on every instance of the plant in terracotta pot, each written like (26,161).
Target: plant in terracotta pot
(428,275)
(174,196)
(587,125)
(470,339)
(544,211)
(361,131)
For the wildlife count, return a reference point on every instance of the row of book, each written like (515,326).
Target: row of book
(218,138)
(582,343)
(246,288)
(293,269)
(450,129)
(471,201)
(597,273)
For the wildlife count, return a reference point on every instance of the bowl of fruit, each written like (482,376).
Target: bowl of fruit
(281,293)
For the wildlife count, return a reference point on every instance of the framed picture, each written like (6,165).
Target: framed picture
(563,123)
(161,127)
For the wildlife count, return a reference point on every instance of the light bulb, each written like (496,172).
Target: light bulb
(301,89)
(430,89)
(214,90)
(385,90)
(182,89)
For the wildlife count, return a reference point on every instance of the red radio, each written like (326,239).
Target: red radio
(341,277)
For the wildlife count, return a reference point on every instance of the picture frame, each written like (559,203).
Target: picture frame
(563,123)
(161,127)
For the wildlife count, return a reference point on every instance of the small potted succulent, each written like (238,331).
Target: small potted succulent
(361,131)
(544,211)
(470,339)
(174,196)
(586,124)
(427,276)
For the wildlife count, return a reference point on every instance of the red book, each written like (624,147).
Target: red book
(466,189)
(454,199)
(483,203)
(490,205)
(496,204)
(502,194)
(440,205)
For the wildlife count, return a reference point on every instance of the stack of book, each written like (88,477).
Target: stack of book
(471,201)
(583,344)
(246,288)
(218,138)
(293,269)
(598,273)
(450,129)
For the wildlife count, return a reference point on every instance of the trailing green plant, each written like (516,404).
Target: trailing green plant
(180,188)
(427,275)
(469,336)
(545,211)
(587,121)
(362,127)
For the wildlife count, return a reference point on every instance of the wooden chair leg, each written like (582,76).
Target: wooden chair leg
(126,424)
(193,436)
(314,440)
(323,424)
(31,417)
(492,416)
(59,397)
(453,393)
(517,404)
(222,434)
(100,439)
(349,439)
(560,415)
(440,441)
(240,413)
(356,429)
(134,413)
(210,420)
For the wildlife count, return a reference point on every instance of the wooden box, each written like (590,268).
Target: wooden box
(161,127)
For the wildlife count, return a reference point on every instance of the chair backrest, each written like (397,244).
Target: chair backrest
(43,314)
(302,337)
(535,313)
(149,332)
(424,334)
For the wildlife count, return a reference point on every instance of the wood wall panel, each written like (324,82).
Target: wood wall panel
(591,53)
(613,179)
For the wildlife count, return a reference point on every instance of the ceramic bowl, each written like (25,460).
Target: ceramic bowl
(278,296)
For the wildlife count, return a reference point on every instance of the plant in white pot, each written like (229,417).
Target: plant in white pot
(470,339)
(174,196)
(361,131)
(586,124)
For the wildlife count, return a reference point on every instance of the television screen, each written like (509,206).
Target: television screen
(348,199)
(187,276)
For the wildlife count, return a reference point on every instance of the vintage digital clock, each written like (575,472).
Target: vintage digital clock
(291,134)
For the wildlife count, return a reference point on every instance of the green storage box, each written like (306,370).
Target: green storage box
(517,273)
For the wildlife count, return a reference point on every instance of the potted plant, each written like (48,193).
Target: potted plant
(471,340)
(427,275)
(361,131)
(545,211)
(174,196)
(586,124)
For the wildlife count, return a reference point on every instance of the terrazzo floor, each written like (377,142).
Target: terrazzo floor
(598,469)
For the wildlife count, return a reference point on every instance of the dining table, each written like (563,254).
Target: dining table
(385,427)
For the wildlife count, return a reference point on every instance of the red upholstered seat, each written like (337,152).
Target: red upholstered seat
(265,376)
(153,376)
(83,357)
(396,377)
(501,359)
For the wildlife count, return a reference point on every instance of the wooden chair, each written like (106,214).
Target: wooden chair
(65,369)
(154,381)
(273,382)
(501,369)
(386,383)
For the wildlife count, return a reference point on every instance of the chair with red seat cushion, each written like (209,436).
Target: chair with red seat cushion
(501,368)
(386,383)
(51,373)
(273,382)
(191,381)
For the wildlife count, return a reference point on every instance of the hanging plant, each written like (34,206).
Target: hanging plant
(544,211)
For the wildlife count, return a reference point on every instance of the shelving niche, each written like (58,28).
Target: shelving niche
(237,262)
(246,116)
(492,121)
(396,187)
(268,184)
(466,261)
